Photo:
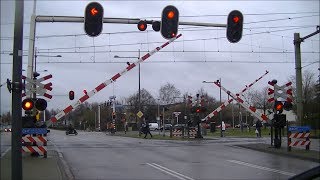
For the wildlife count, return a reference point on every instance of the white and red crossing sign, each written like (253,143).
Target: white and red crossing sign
(176,113)
(107,82)
(35,86)
(251,109)
(284,91)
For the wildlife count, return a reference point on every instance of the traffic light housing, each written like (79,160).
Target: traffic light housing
(71,95)
(28,121)
(28,104)
(280,120)
(113,115)
(278,106)
(93,19)
(142,25)
(169,22)
(156,26)
(234,26)
(287,106)
(41,104)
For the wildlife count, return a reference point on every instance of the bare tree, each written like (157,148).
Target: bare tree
(168,92)
(148,103)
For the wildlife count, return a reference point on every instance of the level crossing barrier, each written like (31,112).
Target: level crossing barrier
(299,136)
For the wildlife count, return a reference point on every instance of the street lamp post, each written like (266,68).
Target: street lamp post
(220,115)
(139,91)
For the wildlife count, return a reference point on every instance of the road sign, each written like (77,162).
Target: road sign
(34,131)
(35,86)
(299,128)
(284,91)
(139,114)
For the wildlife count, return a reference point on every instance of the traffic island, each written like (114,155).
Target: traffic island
(303,154)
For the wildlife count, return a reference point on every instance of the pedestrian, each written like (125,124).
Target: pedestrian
(258,127)
(223,128)
(147,130)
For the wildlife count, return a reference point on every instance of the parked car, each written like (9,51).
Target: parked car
(153,126)
(227,125)
(244,125)
(166,127)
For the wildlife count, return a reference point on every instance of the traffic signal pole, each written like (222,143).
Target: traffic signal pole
(16,145)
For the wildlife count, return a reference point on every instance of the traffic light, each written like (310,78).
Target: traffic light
(142,25)
(280,120)
(278,106)
(27,104)
(169,22)
(234,26)
(287,106)
(93,19)
(71,95)
(28,121)
(41,104)
(156,26)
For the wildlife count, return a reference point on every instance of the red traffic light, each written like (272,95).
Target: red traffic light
(170,14)
(142,25)
(198,110)
(94,11)
(169,22)
(278,106)
(27,104)
(234,26)
(236,19)
(93,19)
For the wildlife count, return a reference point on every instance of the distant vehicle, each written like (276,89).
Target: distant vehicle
(153,126)
(227,125)
(7,129)
(166,127)
(181,126)
(244,125)
(71,131)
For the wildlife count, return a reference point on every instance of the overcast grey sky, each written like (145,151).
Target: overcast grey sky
(268,33)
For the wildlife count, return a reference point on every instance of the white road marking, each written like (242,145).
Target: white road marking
(5,152)
(262,168)
(169,171)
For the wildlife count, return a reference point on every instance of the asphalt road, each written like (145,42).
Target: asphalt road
(95,155)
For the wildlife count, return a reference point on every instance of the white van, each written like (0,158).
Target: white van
(153,126)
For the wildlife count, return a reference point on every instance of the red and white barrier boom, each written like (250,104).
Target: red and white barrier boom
(251,109)
(221,107)
(107,82)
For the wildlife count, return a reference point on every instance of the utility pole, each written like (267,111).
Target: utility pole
(16,159)
(297,42)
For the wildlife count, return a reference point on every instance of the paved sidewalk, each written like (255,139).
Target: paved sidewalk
(37,168)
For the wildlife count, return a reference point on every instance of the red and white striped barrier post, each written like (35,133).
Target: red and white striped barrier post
(299,135)
(107,82)
(34,144)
